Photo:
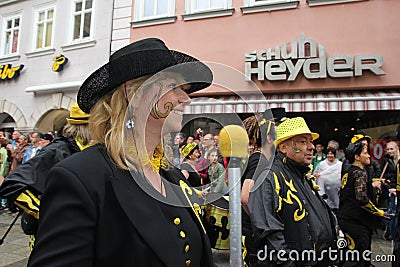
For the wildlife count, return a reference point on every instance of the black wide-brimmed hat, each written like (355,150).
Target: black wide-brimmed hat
(144,57)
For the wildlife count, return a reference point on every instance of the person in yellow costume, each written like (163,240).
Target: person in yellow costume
(357,214)
(287,214)
(25,185)
(121,202)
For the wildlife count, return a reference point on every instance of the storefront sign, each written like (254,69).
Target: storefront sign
(59,63)
(284,63)
(8,72)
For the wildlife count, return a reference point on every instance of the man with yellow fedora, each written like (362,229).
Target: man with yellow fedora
(24,185)
(288,215)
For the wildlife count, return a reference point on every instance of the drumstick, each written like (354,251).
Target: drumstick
(383,173)
(384,170)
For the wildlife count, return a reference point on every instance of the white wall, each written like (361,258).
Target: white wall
(51,87)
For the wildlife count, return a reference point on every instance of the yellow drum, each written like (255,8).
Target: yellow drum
(216,222)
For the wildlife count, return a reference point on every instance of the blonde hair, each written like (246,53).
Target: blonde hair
(78,131)
(396,148)
(107,121)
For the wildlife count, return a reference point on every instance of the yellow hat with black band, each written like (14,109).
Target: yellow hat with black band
(77,116)
(360,137)
(189,149)
(292,127)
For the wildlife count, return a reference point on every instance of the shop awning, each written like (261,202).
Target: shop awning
(299,102)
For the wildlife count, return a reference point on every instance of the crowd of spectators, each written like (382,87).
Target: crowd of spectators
(199,158)
(17,148)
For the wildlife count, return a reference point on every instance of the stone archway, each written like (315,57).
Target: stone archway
(53,111)
(53,121)
(14,112)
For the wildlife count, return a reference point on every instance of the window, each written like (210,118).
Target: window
(11,35)
(264,2)
(202,5)
(82,17)
(253,6)
(201,9)
(44,28)
(152,9)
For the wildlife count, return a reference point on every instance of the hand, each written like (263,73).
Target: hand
(393,191)
(1,179)
(389,215)
(316,175)
(377,184)
(10,147)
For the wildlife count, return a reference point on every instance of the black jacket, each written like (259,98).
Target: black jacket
(95,214)
(286,212)
(352,209)
(33,173)
(373,170)
(390,172)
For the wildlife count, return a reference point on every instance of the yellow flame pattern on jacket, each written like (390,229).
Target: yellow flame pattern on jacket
(290,199)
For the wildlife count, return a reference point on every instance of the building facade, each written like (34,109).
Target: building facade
(47,49)
(332,61)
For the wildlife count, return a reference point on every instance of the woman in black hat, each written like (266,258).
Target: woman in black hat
(120,203)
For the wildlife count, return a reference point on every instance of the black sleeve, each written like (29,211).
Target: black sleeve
(264,203)
(251,166)
(29,174)
(376,169)
(67,223)
(33,173)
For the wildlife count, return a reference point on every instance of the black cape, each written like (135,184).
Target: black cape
(33,173)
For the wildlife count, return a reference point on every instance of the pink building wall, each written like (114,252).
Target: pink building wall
(357,28)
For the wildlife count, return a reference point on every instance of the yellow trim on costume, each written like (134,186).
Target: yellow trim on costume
(31,242)
(81,146)
(350,242)
(195,207)
(371,208)
(29,203)
(344,180)
(244,249)
(300,213)
(290,183)
(277,190)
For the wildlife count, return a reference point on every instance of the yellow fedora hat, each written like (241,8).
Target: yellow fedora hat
(77,116)
(292,127)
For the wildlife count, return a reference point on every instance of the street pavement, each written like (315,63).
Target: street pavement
(15,252)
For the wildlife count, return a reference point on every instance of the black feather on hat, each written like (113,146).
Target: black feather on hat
(144,57)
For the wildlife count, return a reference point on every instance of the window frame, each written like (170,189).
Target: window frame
(82,21)
(189,6)
(138,14)
(36,31)
(4,29)
(253,6)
